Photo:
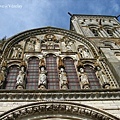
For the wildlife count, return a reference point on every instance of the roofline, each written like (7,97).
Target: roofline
(93,15)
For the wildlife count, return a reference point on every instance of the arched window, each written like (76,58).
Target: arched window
(72,77)
(93,80)
(32,73)
(94,31)
(110,32)
(11,77)
(52,74)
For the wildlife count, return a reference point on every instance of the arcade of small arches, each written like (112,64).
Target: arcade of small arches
(53,61)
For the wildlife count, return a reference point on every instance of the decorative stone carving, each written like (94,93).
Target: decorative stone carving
(103,78)
(3,73)
(63,83)
(84,79)
(63,79)
(65,108)
(31,45)
(2,77)
(84,52)
(42,83)
(20,84)
(16,53)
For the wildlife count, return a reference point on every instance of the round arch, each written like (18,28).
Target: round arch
(60,110)
(47,30)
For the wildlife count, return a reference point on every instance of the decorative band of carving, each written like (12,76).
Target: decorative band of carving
(29,95)
(55,108)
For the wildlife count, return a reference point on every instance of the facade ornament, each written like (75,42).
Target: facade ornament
(63,82)
(42,83)
(16,52)
(31,45)
(83,79)
(103,78)
(84,52)
(3,73)
(21,80)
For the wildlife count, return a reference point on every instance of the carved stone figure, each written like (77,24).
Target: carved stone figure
(69,46)
(20,80)
(84,79)
(15,52)
(42,83)
(103,78)
(2,77)
(31,45)
(85,53)
(63,79)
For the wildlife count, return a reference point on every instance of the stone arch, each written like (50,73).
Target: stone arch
(62,110)
(40,31)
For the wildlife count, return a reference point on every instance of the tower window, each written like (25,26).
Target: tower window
(95,32)
(110,32)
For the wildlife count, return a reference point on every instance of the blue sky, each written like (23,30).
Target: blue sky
(21,15)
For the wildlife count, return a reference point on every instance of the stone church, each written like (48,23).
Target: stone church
(57,74)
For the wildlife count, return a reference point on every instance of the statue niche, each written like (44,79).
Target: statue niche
(16,52)
(83,76)
(102,77)
(84,52)
(33,45)
(42,82)
(20,82)
(63,82)
(50,41)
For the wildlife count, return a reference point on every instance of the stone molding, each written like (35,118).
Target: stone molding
(55,108)
(39,31)
(62,95)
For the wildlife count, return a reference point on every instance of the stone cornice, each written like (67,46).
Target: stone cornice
(62,95)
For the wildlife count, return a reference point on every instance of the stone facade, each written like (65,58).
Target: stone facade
(52,73)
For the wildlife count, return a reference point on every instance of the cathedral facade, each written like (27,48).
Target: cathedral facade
(57,74)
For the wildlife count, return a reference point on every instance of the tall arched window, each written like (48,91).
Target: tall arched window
(94,82)
(73,82)
(52,74)
(11,77)
(32,73)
